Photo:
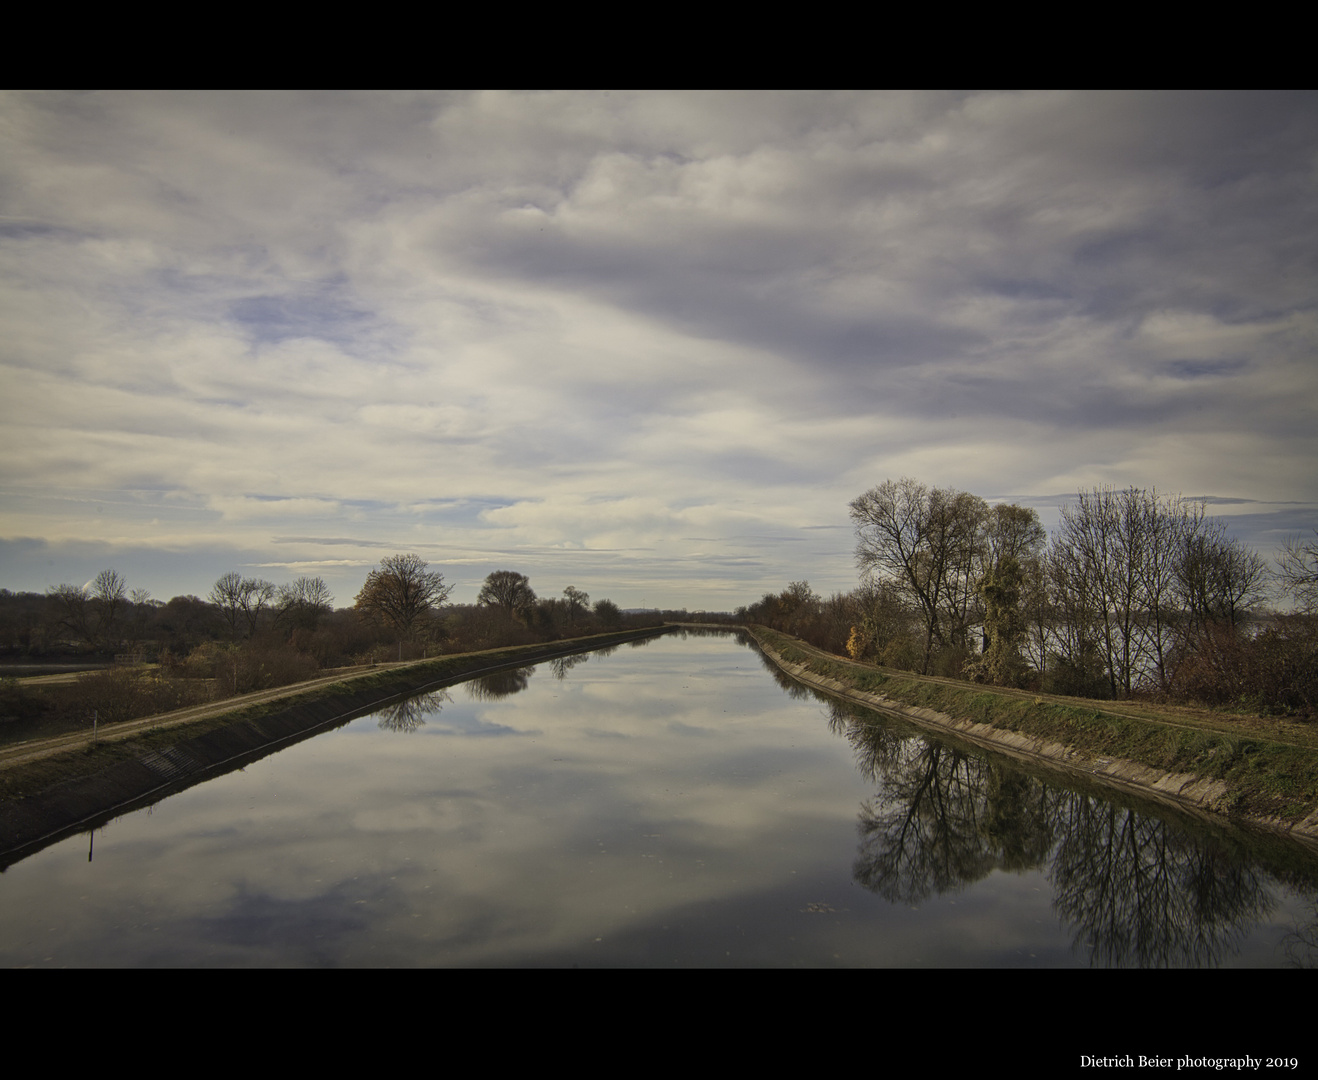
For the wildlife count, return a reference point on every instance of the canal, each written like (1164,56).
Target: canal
(672,802)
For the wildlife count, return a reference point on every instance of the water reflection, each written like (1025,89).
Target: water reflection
(499,685)
(561,665)
(671,806)
(408,715)
(1136,889)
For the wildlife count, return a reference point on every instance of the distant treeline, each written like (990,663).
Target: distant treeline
(1135,593)
(251,634)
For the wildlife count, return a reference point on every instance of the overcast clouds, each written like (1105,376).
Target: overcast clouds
(647,344)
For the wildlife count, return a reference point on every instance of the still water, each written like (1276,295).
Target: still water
(676,802)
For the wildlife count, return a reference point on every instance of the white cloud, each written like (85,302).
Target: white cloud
(627,320)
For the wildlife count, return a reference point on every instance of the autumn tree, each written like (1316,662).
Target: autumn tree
(508,590)
(401,593)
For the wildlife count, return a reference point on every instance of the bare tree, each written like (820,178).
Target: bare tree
(108,593)
(88,612)
(509,590)
(141,611)
(226,594)
(1105,541)
(1152,573)
(927,542)
(1217,577)
(401,593)
(301,605)
(1297,572)
(74,611)
(258,594)
(241,599)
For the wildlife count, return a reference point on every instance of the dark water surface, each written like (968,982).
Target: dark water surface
(672,803)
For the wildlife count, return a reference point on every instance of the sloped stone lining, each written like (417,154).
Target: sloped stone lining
(1205,798)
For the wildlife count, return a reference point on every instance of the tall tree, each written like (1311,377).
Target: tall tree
(1004,624)
(401,593)
(1011,532)
(226,594)
(109,591)
(927,542)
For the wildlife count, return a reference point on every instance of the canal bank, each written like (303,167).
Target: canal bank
(1244,779)
(83,788)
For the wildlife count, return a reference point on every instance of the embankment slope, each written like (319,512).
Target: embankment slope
(1242,776)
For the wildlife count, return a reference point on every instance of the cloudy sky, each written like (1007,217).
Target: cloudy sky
(647,344)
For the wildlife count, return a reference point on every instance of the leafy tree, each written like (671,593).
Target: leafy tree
(401,593)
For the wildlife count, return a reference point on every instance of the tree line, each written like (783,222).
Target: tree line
(251,634)
(1135,592)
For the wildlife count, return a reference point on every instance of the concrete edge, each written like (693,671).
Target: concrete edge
(1202,797)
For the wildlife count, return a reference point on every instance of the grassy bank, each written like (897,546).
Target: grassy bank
(1269,767)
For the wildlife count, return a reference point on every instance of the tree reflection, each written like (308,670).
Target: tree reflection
(1143,894)
(561,665)
(945,819)
(500,684)
(1137,889)
(793,688)
(410,714)
(1301,944)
